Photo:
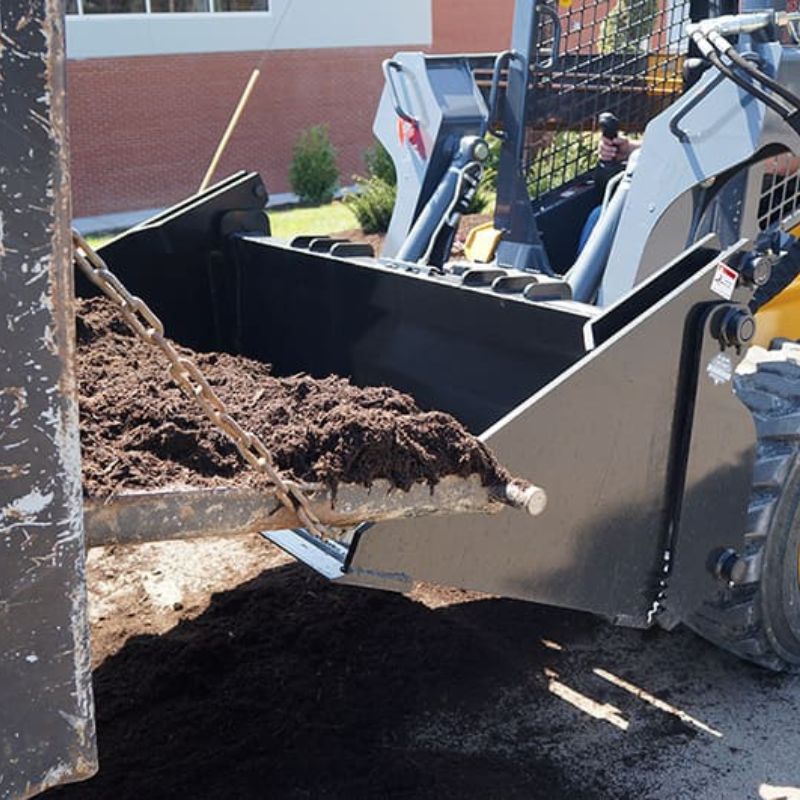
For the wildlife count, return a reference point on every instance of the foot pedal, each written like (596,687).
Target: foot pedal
(482,277)
(548,290)
(353,250)
(325,244)
(513,284)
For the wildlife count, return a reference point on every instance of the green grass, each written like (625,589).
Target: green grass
(98,241)
(286,223)
(321,220)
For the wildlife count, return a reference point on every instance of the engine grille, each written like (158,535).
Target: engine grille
(780,195)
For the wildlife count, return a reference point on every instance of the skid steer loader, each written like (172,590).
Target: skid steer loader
(627,373)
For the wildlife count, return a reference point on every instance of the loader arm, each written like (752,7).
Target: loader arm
(714,131)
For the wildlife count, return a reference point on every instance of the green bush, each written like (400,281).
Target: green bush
(375,196)
(372,203)
(481,201)
(568,155)
(374,199)
(628,26)
(492,166)
(313,174)
(380,165)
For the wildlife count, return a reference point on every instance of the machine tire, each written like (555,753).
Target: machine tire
(759,618)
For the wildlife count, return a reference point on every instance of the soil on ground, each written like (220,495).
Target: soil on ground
(286,686)
(138,430)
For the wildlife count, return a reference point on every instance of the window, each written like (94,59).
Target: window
(242,5)
(84,7)
(112,6)
(172,6)
(125,28)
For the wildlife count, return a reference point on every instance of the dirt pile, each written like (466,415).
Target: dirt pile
(139,431)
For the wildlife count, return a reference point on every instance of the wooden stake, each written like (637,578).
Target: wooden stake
(234,121)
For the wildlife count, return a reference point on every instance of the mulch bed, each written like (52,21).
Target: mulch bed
(139,431)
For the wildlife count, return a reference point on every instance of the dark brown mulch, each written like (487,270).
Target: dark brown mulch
(139,431)
(289,687)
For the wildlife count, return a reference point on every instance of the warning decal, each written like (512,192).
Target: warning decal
(724,282)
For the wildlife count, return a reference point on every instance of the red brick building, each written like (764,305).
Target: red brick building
(150,89)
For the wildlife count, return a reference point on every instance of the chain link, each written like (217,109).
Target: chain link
(186,374)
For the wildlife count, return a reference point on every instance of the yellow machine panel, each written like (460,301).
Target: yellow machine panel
(481,244)
(780,317)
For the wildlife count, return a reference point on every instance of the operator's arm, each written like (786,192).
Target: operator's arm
(618,149)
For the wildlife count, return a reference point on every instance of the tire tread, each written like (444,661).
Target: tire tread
(768,383)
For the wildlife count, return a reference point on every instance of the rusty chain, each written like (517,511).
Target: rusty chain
(186,374)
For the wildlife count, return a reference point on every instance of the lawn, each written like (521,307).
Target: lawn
(98,241)
(287,222)
(322,220)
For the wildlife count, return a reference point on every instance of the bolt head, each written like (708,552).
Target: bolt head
(481,150)
(762,270)
(738,327)
(729,566)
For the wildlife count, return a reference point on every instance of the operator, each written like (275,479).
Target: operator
(781,169)
(617,149)
(620,148)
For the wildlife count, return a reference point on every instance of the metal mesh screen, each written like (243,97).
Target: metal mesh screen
(622,56)
(780,196)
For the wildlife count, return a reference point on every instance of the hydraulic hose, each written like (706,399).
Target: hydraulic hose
(727,49)
(709,51)
(759,94)
(709,36)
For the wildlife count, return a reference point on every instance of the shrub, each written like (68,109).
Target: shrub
(480,202)
(492,166)
(372,203)
(313,174)
(568,155)
(380,165)
(628,27)
(374,200)
(375,196)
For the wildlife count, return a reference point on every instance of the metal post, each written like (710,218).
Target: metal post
(521,246)
(46,712)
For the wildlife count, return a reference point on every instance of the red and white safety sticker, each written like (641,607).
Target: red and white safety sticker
(724,282)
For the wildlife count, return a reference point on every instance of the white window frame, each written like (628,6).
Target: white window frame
(212,9)
(288,25)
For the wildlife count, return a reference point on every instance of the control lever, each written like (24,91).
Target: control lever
(609,129)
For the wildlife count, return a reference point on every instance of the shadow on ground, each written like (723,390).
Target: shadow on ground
(290,687)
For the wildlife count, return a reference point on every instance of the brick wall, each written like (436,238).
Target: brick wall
(472,26)
(143,129)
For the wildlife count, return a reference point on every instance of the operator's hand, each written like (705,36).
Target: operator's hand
(618,149)
(781,165)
